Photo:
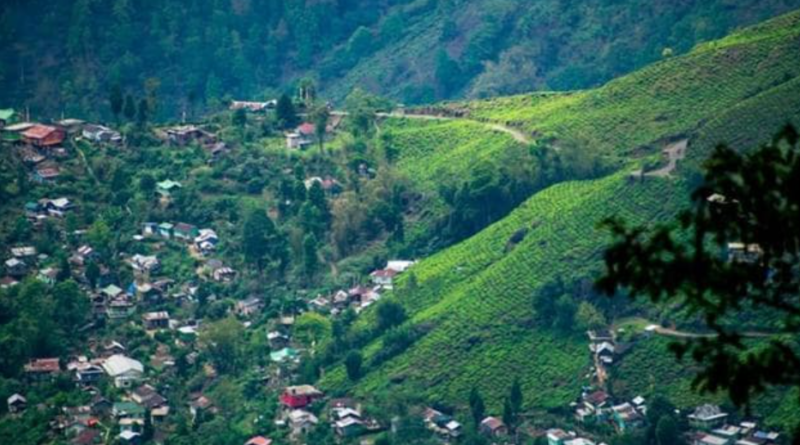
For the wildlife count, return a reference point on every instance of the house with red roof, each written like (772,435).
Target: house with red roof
(42,368)
(43,136)
(259,440)
(295,397)
(383,277)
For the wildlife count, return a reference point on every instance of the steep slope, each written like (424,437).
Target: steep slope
(63,56)
(498,47)
(474,299)
(660,101)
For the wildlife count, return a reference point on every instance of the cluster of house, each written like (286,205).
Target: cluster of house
(711,427)
(41,146)
(361,297)
(597,407)
(344,414)
(37,212)
(202,242)
(442,424)
(558,436)
(81,422)
(25,260)
(709,424)
(306,134)
(184,135)
(448,428)
(22,261)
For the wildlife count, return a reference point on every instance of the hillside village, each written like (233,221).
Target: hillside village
(142,327)
(276,270)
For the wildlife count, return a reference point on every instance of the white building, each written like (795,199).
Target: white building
(124,370)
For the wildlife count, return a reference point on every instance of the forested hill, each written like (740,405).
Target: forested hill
(62,57)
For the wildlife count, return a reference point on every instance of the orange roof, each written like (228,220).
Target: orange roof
(39,131)
(43,365)
(306,128)
(259,440)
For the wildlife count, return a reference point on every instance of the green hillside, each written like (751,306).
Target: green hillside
(668,99)
(474,300)
(477,297)
(64,56)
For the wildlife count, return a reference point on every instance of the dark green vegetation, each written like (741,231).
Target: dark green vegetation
(67,56)
(750,199)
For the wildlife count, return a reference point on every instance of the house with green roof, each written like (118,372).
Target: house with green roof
(284,355)
(165,230)
(128,409)
(165,188)
(7,116)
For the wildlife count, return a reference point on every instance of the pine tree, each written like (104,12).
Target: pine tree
(316,196)
(353,363)
(477,406)
(262,243)
(515,397)
(116,100)
(129,109)
(509,415)
(239,118)
(310,256)
(285,112)
(142,112)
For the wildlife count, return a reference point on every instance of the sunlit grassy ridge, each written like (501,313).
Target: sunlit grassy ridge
(667,99)
(476,296)
(431,149)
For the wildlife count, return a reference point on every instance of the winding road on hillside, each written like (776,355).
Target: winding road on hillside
(675,152)
(676,333)
(518,135)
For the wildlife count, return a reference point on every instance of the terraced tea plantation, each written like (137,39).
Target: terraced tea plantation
(474,299)
(477,296)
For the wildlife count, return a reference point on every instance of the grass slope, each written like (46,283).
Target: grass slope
(475,297)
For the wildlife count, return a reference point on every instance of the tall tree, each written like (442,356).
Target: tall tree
(320,118)
(316,197)
(239,118)
(147,184)
(129,109)
(515,396)
(143,112)
(390,314)
(92,273)
(509,415)
(733,252)
(476,406)
(353,363)
(262,244)
(116,100)
(285,112)
(307,91)
(565,310)
(223,341)
(667,431)
(310,255)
